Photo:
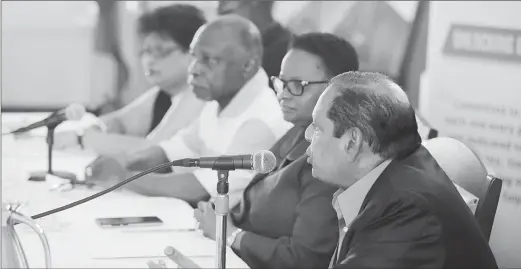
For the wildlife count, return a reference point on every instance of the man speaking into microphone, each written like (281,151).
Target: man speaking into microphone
(242,116)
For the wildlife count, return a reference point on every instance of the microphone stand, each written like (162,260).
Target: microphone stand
(40,175)
(221,214)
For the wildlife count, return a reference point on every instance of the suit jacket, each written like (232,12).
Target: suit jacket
(413,217)
(287,214)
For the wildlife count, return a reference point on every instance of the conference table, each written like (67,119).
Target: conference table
(74,237)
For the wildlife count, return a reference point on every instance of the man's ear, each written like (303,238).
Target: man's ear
(352,141)
(249,65)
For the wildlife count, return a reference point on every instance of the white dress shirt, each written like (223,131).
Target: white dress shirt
(136,117)
(347,203)
(252,121)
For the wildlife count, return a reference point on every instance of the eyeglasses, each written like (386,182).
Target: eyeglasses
(295,86)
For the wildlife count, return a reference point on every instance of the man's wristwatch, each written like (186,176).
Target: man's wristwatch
(231,238)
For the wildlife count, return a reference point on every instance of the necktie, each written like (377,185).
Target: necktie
(161,105)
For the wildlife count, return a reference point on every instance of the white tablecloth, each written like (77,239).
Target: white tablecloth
(74,237)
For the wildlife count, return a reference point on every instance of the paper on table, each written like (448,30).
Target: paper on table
(174,213)
(122,244)
(108,144)
(138,245)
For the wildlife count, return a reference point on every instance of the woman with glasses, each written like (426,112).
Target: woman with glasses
(169,106)
(286,219)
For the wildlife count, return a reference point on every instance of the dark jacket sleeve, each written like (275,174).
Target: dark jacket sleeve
(314,236)
(401,233)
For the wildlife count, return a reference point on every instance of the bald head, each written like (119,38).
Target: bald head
(227,53)
(239,35)
(378,107)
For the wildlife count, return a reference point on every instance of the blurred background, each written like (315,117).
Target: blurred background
(58,52)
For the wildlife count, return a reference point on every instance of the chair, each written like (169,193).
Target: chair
(487,207)
(424,128)
(465,169)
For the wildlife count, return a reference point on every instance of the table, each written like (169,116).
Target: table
(74,237)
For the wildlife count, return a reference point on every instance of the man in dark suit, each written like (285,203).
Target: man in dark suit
(396,207)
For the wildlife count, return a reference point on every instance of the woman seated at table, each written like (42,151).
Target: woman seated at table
(169,106)
(285,219)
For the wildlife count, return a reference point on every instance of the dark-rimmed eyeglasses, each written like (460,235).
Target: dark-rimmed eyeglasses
(295,86)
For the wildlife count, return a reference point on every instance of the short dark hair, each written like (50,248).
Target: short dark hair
(377,106)
(179,22)
(338,55)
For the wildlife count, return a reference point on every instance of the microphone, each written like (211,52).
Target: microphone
(263,162)
(71,112)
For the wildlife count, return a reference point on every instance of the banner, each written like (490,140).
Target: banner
(473,93)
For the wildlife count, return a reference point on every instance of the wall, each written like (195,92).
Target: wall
(46,53)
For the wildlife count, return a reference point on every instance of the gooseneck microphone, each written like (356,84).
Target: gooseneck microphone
(71,112)
(261,162)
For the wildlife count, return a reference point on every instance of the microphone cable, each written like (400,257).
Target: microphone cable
(96,195)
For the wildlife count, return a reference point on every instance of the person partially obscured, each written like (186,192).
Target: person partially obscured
(275,37)
(242,116)
(396,207)
(166,108)
(285,219)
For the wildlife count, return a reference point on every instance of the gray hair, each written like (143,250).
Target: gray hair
(379,108)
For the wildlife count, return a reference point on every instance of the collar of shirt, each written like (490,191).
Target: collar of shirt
(347,202)
(178,97)
(245,97)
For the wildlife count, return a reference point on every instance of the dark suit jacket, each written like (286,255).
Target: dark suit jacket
(413,217)
(287,215)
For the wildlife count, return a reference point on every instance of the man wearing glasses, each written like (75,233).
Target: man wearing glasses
(242,116)
(168,106)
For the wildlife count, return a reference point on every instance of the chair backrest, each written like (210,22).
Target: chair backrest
(425,130)
(465,169)
(486,210)
(460,164)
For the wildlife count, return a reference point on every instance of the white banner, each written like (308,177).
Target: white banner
(473,93)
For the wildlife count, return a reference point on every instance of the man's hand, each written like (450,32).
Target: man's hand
(105,170)
(147,158)
(181,260)
(205,216)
